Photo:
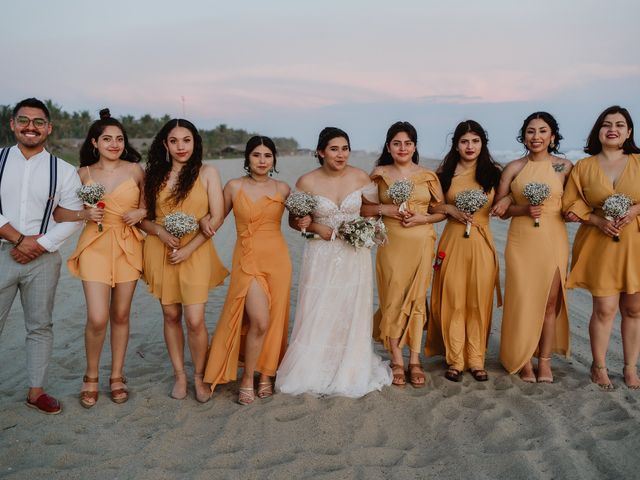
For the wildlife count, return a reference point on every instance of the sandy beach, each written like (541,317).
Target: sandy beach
(503,428)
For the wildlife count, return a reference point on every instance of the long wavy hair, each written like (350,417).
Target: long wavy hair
(594,146)
(488,171)
(398,127)
(553,125)
(159,166)
(88,153)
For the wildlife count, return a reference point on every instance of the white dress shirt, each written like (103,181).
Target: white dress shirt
(24,191)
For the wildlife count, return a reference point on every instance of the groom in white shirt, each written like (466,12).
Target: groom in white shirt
(32,183)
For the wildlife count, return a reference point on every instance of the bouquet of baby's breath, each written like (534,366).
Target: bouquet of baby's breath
(615,206)
(180,224)
(91,195)
(536,193)
(301,204)
(399,192)
(363,232)
(470,201)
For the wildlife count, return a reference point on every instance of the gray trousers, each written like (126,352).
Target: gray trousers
(37,282)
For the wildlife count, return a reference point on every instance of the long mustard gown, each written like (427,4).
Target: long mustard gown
(403,266)
(260,255)
(533,256)
(187,282)
(599,264)
(115,254)
(462,289)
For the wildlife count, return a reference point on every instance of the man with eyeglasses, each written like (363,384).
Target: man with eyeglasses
(32,183)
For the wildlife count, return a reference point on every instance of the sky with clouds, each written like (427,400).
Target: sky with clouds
(289,68)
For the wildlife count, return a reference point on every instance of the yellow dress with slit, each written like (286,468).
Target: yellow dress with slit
(533,256)
(187,282)
(260,255)
(403,266)
(463,286)
(115,254)
(599,264)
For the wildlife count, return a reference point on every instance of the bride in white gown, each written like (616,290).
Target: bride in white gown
(331,351)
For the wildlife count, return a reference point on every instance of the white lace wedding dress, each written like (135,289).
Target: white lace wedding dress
(331,351)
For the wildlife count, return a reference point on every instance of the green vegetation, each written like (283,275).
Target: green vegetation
(70,130)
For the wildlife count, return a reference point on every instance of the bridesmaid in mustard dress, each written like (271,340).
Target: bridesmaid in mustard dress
(109,262)
(403,265)
(463,286)
(253,325)
(609,270)
(535,319)
(180,272)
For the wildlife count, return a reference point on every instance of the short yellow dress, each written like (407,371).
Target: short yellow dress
(599,264)
(115,254)
(403,266)
(260,255)
(188,282)
(533,256)
(463,286)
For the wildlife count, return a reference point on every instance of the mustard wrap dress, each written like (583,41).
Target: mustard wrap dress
(188,282)
(463,286)
(403,266)
(260,255)
(115,254)
(533,256)
(599,264)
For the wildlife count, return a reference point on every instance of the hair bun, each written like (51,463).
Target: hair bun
(105,113)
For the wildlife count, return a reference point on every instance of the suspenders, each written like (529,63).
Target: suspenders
(53,183)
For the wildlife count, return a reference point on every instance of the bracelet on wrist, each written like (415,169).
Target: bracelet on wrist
(19,241)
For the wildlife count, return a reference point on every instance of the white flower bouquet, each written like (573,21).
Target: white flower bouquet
(615,206)
(536,193)
(180,224)
(91,195)
(301,204)
(399,192)
(363,232)
(470,201)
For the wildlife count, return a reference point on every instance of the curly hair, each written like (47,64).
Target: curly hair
(594,146)
(398,127)
(88,155)
(487,170)
(553,125)
(159,166)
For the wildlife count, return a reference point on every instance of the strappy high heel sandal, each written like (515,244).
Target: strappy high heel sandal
(634,368)
(541,378)
(608,387)
(246,395)
(265,389)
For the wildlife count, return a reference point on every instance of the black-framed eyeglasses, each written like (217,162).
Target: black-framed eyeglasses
(25,121)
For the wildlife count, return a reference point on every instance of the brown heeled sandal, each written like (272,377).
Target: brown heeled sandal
(399,379)
(417,378)
(89,398)
(116,392)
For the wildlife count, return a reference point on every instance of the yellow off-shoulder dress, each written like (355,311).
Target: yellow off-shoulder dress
(260,255)
(115,254)
(599,264)
(188,282)
(533,256)
(403,266)
(463,286)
